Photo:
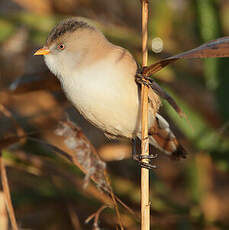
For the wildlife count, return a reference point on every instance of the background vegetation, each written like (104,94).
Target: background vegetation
(47,191)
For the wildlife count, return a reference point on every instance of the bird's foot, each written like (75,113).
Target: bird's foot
(149,157)
(140,79)
(150,83)
(147,165)
(137,157)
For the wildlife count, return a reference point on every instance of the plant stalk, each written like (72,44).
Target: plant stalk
(145,205)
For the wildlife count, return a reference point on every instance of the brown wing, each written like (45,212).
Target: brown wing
(163,138)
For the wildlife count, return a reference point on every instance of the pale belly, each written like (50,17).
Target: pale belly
(107,104)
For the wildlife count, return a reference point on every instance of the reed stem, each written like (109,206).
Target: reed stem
(145,205)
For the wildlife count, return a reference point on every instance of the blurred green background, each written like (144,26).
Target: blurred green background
(191,194)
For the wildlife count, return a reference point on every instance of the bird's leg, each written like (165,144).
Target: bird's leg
(149,82)
(137,157)
(140,79)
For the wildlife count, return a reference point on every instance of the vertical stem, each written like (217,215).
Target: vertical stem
(145,206)
(7,196)
(3,213)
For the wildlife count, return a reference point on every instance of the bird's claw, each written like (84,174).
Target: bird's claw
(147,165)
(149,157)
(141,79)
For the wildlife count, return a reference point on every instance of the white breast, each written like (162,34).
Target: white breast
(107,96)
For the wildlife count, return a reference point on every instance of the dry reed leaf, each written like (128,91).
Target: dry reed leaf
(215,48)
(87,159)
(85,156)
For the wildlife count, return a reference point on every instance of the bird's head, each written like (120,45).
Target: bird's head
(68,45)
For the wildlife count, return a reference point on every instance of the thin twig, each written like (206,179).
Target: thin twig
(114,199)
(6,191)
(145,207)
(95,216)
(73,217)
(4,222)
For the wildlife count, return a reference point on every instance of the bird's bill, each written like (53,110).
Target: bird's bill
(42,51)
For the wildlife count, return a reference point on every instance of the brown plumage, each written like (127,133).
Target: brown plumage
(98,77)
(164,139)
(67,26)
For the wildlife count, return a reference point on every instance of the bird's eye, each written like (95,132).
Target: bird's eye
(60,46)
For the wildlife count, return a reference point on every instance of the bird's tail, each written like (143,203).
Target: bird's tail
(161,137)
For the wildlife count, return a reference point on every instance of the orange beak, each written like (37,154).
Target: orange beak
(42,51)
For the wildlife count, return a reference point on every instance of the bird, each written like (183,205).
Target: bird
(99,79)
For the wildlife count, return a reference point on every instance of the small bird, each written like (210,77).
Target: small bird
(98,78)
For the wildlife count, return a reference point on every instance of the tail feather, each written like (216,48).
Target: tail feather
(163,138)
